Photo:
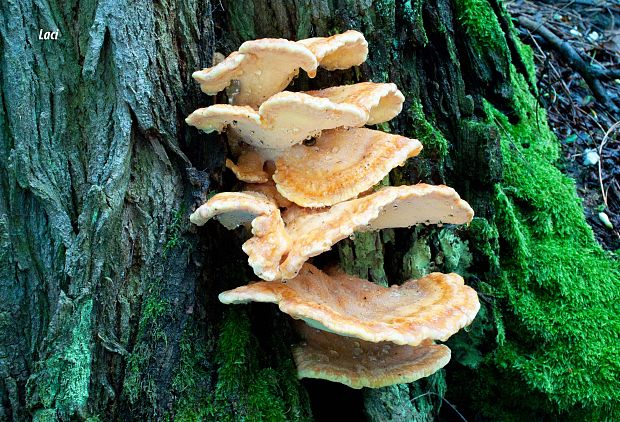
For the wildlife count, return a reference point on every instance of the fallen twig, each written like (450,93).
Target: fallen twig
(442,398)
(600,154)
(555,71)
(591,74)
(596,3)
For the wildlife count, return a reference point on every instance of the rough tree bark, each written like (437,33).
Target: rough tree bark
(109,308)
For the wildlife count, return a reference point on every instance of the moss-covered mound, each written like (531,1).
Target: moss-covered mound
(557,291)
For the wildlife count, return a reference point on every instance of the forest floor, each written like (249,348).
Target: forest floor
(576,48)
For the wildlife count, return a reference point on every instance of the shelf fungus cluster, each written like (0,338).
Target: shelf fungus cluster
(311,172)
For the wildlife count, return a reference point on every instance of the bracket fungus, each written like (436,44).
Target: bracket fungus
(433,307)
(233,209)
(266,66)
(310,232)
(249,167)
(269,190)
(289,118)
(340,165)
(284,120)
(261,67)
(359,363)
(340,51)
(299,200)
(382,101)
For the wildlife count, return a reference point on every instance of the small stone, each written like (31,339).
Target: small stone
(605,220)
(575,33)
(591,157)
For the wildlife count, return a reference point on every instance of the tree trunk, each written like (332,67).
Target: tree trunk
(110,295)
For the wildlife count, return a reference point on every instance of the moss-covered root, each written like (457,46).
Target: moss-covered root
(561,288)
(558,289)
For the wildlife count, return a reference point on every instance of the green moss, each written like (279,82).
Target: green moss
(154,307)
(295,399)
(417,260)
(384,127)
(527,57)
(264,396)
(435,144)
(138,380)
(194,398)
(454,252)
(175,230)
(485,239)
(513,232)
(560,287)
(236,363)
(524,51)
(362,255)
(467,344)
(248,388)
(481,23)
